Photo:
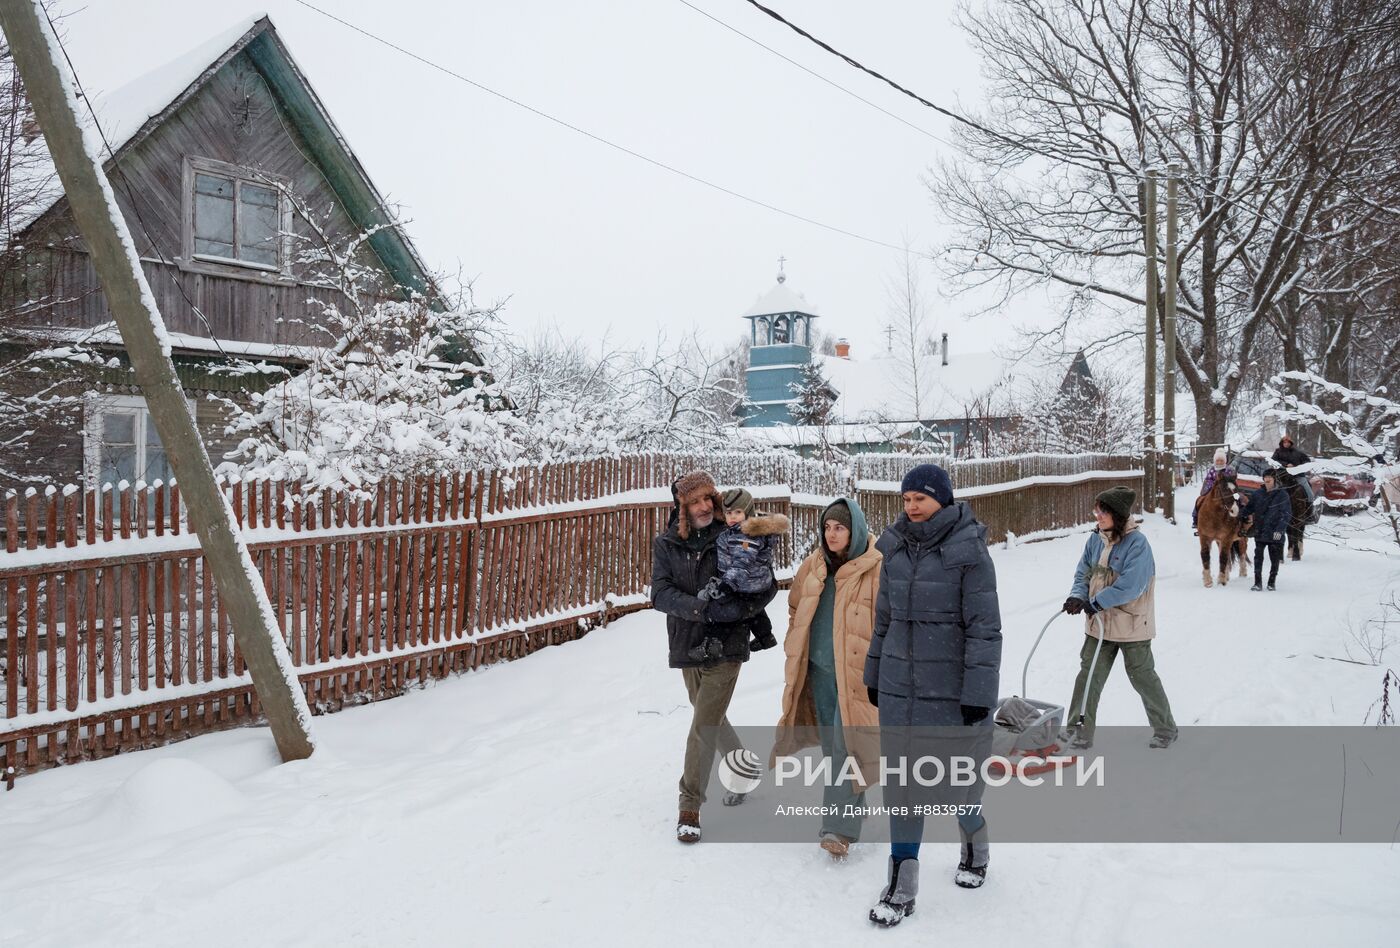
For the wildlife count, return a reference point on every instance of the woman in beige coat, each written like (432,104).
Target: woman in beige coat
(831,614)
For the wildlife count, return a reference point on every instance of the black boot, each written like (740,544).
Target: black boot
(972,869)
(897,899)
(762,640)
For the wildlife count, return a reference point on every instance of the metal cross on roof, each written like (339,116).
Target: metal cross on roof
(781,276)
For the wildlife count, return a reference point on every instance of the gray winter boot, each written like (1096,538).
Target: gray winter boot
(897,899)
(972,869)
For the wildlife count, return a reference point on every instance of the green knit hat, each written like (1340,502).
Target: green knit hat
(1118,500)
(736,498)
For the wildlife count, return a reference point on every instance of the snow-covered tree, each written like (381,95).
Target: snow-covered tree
(43,374)
(815,396)
(1365,424)
(1076,416)
(1282,115)
(391,406)
(915,356)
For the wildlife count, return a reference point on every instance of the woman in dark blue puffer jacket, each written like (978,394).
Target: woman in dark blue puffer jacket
(935,655)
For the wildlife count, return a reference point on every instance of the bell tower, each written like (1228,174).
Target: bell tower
(780,333)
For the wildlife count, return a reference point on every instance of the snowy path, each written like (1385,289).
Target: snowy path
(533,803)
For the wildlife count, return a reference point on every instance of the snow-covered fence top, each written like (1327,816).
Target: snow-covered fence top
(113,637)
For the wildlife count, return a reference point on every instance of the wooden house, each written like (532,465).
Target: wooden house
(226,166)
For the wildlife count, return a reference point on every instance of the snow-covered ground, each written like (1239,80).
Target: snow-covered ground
(534,803)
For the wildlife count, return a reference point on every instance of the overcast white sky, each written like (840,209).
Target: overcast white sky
(580,235)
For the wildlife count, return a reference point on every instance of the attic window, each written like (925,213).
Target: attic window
(234,219)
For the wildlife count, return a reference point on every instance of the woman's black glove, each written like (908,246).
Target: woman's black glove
(874,695)
(1074,605)
(972,713)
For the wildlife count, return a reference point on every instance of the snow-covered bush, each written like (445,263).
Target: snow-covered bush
(390,403)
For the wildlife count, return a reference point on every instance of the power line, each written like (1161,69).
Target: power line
(956,117)
(835,85)
(654,162)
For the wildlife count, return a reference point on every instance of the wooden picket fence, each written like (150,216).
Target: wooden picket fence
(114,637)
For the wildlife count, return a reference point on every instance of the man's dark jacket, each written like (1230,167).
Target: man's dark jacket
(680,568)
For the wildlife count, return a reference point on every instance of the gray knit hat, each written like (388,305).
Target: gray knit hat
(736,498)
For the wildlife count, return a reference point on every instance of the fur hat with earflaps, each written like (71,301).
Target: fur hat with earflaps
(689,488)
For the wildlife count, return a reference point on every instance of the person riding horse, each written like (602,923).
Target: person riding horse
(1220,467)
(1287,456)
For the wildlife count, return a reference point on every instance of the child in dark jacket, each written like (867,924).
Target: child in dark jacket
(745,557)
(1272,511)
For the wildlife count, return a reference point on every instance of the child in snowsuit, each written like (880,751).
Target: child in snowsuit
(745,557)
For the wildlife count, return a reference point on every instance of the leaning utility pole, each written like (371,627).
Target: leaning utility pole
(1169,352)
(49,86)
(1149,407)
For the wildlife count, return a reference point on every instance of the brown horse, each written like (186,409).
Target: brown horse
(1219,522)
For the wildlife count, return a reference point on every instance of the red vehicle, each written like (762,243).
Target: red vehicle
(1344,493)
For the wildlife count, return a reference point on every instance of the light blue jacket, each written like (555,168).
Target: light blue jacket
(1131,559)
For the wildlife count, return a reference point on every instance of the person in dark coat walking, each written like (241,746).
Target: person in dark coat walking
(935,656)
(707,641)
(1272,511)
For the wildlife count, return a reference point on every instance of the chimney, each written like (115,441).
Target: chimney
(843,349)
(945,348)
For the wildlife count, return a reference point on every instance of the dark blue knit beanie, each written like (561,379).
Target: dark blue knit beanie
(932,480)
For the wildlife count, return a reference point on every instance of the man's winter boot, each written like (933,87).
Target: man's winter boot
(688,826)
(838,846)
(1161,740)
(1258,585)
(734,799)
(972,869)
(897,899)
(1272,587)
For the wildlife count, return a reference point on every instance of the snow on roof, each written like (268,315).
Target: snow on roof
(871,389)
(780,299)
(123,110)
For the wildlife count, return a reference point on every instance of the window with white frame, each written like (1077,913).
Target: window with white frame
(121,443)
(234,216)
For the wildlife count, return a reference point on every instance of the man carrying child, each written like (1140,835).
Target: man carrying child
(708,635)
